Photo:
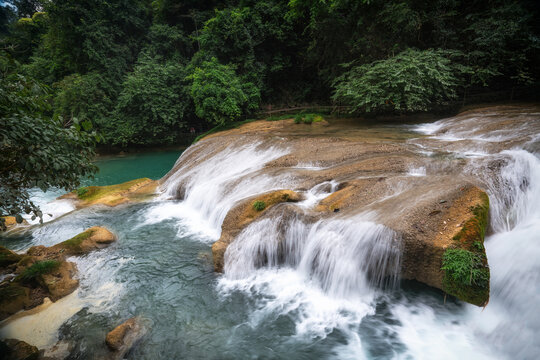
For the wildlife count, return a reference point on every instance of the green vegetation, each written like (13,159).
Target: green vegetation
(410,81)
(474,230)
(93,193)
(466,275)
(74,244)
(37,269)
(259,205)
(81,191)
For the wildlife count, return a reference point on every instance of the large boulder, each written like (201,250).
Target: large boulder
(123,337)
(243,214)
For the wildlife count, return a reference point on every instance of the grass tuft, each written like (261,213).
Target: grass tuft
(37,269)
(259,205)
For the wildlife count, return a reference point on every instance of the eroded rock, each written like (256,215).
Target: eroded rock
(43,272)
(123,337)
(244,214)
(113,195)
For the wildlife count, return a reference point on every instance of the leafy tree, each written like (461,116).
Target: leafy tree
(153,104)
(218,93)
(410,81)
(35,150)
(90,97)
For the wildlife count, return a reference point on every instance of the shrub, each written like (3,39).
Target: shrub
(259,205)
(298,119)
(410,81)
(309,119)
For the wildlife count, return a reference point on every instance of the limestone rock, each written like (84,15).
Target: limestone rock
(123,337)
(242,215)
(113,195)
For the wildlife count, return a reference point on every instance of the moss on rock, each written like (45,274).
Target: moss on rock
(113,195)
(466,271)
(8,257)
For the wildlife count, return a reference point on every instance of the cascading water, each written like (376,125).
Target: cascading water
(302,285)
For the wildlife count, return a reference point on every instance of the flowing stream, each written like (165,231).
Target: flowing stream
(323,289)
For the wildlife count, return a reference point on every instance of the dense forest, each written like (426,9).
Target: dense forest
(151,73)
(145,72)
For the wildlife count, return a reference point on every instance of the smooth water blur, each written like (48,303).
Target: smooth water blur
(321,304)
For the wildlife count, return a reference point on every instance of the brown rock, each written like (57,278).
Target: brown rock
(244,214)
(113,195)
(60,282)
(13,349)
(123,337)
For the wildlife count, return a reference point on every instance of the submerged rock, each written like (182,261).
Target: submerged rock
(123,337)
(113,195)
(13,349)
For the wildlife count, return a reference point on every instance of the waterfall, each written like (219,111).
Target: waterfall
(345,257)
(328,271)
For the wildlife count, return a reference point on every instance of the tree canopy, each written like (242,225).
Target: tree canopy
(145,72)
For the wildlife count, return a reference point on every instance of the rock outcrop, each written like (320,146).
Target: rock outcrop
(43,272)
(123,337)
(113,195)
(244,214)
(434,215)
(12,349)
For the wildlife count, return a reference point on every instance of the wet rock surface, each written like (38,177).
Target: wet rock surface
(13,349)
(122,338)
(113,195)
(426,196)
(43,272)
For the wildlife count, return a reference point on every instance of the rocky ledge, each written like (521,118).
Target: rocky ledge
(113,195)
(43,272)
(441,218)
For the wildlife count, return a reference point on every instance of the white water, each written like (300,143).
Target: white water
(213,187)
(328,273)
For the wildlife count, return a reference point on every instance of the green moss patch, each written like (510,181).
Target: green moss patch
(92,193)
(474,230)
(37,269)
(259,205)
(73,245)
(11,291)
(8,257)
(466,272)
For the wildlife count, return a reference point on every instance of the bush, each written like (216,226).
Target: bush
(152,105)
(259,205)
(81,191)
(219,94)
(309,119)
(298,119)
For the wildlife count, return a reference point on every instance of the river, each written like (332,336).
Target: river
(161,266)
